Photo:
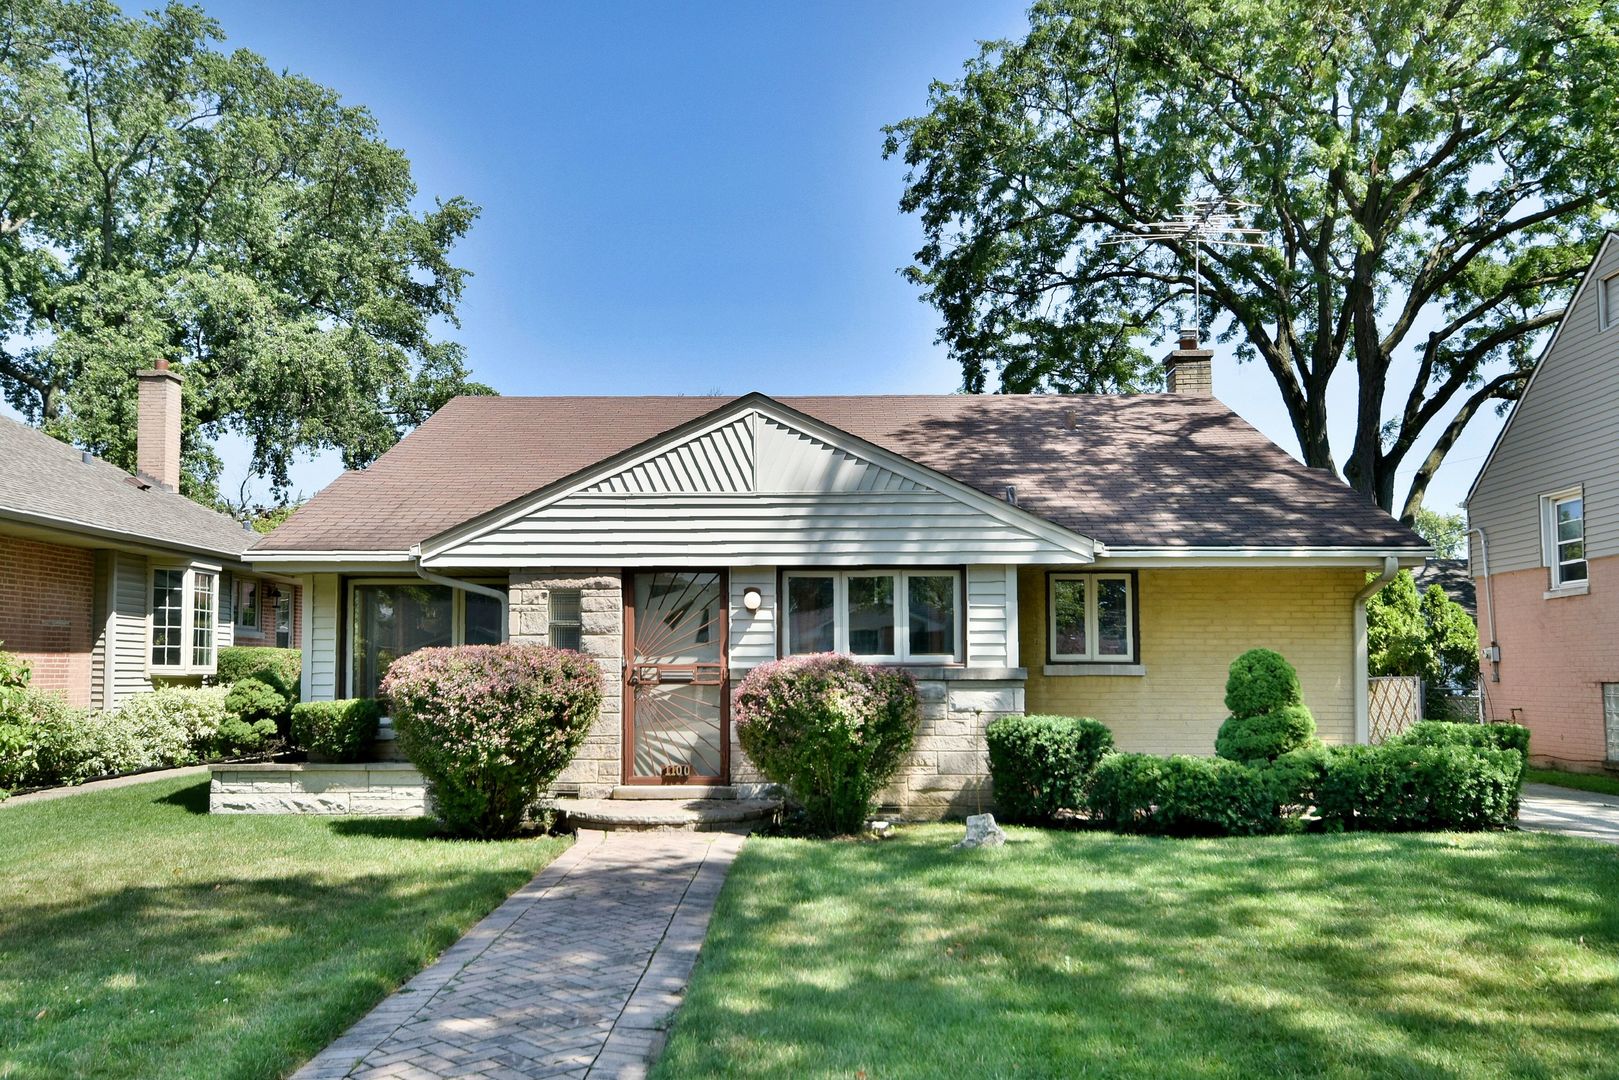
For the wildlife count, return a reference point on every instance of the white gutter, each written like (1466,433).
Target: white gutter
(466,586)
(1493,652)
(1363,710)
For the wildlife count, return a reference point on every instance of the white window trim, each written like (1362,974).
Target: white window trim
(1092,638)
(1549,546)
(458,617)
(1607,318)
(902,612)
(188,616)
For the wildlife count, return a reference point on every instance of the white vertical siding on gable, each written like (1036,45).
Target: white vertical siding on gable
(320,658)
(990,623)
(1565,433)
(129,631)
(753,633)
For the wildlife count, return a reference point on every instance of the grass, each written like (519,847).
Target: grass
(141,937)
(1076,954)
(1605,785)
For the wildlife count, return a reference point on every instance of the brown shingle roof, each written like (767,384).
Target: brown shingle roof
(1150,470)
(42,479)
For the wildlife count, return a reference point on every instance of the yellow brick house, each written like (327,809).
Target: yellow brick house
(1103,556)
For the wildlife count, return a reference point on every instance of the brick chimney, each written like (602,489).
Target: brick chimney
(157,430)
(1190,369)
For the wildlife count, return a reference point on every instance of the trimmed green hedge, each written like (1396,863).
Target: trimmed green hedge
(337,730)
(281,668)
(1183,796)
(1404,786)
(1043,764)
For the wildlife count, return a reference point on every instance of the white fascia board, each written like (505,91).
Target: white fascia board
(1260,557)
(327,562)
(710,557)
(1540,362)
(1082,546)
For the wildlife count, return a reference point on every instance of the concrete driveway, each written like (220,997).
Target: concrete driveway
(1573,813)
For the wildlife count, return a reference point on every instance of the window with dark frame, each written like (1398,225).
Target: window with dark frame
(876,615)
(1091,618)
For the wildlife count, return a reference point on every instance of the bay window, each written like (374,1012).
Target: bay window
(184,606)
(894,616)
(391,619)
(1091,618)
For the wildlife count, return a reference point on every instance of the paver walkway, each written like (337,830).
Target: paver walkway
(1586,814)
(575,975)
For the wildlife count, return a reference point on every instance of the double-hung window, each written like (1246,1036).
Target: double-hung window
(183,613)
(1091,618)
(893,616)
(1563,528)
(247,604)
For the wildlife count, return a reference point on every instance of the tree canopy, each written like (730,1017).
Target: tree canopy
(162,198)
(1446,532)
(1426,634)
(1430,179)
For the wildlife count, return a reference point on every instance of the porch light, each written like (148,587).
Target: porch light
(752,598)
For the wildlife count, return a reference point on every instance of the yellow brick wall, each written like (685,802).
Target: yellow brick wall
(1193,624)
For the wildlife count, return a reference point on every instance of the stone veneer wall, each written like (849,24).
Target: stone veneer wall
(378,789)
(598,766)
(946,774)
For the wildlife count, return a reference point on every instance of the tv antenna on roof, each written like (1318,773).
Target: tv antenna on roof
(1200,222)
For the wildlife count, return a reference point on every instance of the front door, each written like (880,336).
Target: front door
(676,704)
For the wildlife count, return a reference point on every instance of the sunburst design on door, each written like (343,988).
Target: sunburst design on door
(678,674)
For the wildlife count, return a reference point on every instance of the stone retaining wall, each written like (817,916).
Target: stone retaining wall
(375,789)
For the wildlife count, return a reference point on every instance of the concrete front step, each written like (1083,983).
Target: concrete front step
(699,815)
(674,792)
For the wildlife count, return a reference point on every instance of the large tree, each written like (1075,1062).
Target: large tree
(160,198)
(1431,179)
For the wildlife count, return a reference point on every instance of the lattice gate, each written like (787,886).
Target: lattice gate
(1394,703)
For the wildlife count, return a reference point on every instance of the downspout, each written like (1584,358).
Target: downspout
(1493,653)
(465,586)
(1363,723)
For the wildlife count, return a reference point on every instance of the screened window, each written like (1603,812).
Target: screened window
(1091,618)
(1565,538)
(247,604)
(184,609)
(395,618)
(566,622)
(885,615)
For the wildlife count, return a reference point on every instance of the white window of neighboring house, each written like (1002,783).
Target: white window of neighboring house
(1608,302)
(247,604)
(1563,537)
(894,616)
(1091,618)
(183,612)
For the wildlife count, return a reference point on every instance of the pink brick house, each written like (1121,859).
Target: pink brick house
(110,581)
(1544,512)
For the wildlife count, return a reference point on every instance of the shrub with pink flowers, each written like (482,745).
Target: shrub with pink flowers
(829,729)
(491,726)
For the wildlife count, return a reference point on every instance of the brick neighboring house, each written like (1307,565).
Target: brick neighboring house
(111,582)
(1105,556)
(1545,546)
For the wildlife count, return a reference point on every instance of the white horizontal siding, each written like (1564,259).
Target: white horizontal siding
(320,658)
(1564,433)
(753,633)
(990,620)
(916,528)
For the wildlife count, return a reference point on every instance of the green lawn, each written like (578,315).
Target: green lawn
(140,937)
(1084,954)
(1606,785)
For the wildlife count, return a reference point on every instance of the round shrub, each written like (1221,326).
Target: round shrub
(336,730)
(1267,736)
(253,700)
(491,726)
(237,737)
(1043,764)
(1182,796)
(1261,681)
(829,729)
(281,668)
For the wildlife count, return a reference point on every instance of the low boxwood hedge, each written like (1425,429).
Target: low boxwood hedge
(1183,796)
(336,730)
(1042,764)
(281,668)
(1404,785)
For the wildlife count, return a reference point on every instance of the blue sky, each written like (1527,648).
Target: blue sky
(679,198)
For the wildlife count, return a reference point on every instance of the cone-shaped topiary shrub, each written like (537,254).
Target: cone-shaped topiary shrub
(829,729)
(1268,717)
(491,726)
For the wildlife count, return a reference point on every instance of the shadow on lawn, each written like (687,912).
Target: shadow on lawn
(1411,956)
